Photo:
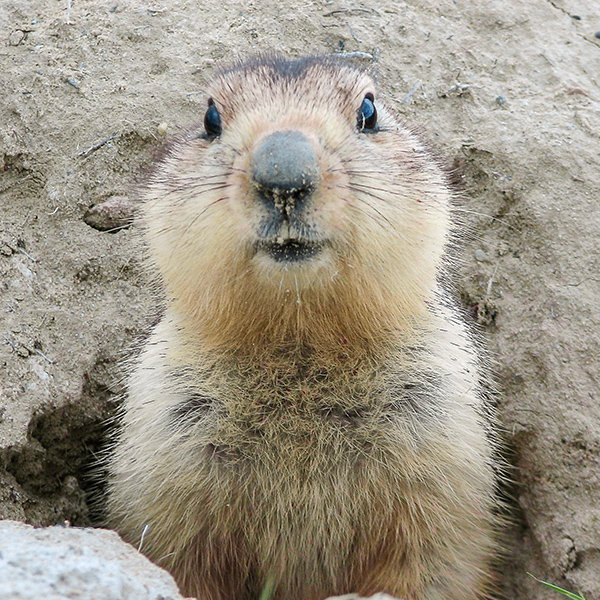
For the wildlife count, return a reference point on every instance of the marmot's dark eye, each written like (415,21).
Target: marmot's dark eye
(212,119)
(367,115)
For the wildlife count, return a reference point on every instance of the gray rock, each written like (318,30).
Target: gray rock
(59,563)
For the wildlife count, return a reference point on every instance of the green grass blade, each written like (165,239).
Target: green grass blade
(558,589)
(268,588)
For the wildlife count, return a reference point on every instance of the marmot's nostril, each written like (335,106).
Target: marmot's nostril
(285,165)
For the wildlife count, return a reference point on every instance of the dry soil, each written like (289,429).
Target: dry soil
(507,89)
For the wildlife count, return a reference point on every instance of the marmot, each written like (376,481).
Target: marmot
(307,415)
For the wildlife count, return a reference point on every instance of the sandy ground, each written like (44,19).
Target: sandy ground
(508,89)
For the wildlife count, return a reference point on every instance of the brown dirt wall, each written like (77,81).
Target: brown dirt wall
(508,90)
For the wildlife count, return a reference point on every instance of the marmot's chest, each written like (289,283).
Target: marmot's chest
(299,420)
(300,417)
(299,439)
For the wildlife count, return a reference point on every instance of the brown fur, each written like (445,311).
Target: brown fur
(317,425)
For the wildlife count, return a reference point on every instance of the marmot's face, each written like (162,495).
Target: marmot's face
(299,180)
(290,134)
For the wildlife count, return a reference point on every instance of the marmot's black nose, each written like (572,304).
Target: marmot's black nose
(285,169)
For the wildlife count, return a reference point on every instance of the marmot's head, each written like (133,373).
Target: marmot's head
(301,208)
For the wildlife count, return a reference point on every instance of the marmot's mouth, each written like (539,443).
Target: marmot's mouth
(290,250)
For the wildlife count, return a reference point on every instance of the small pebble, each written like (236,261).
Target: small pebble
(162,129)
(480,255)
(500,100)
(17,37)
(597,35)
(22,351)
(459,88)
(112,215)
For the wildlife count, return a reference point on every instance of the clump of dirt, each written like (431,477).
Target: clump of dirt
(509,91)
